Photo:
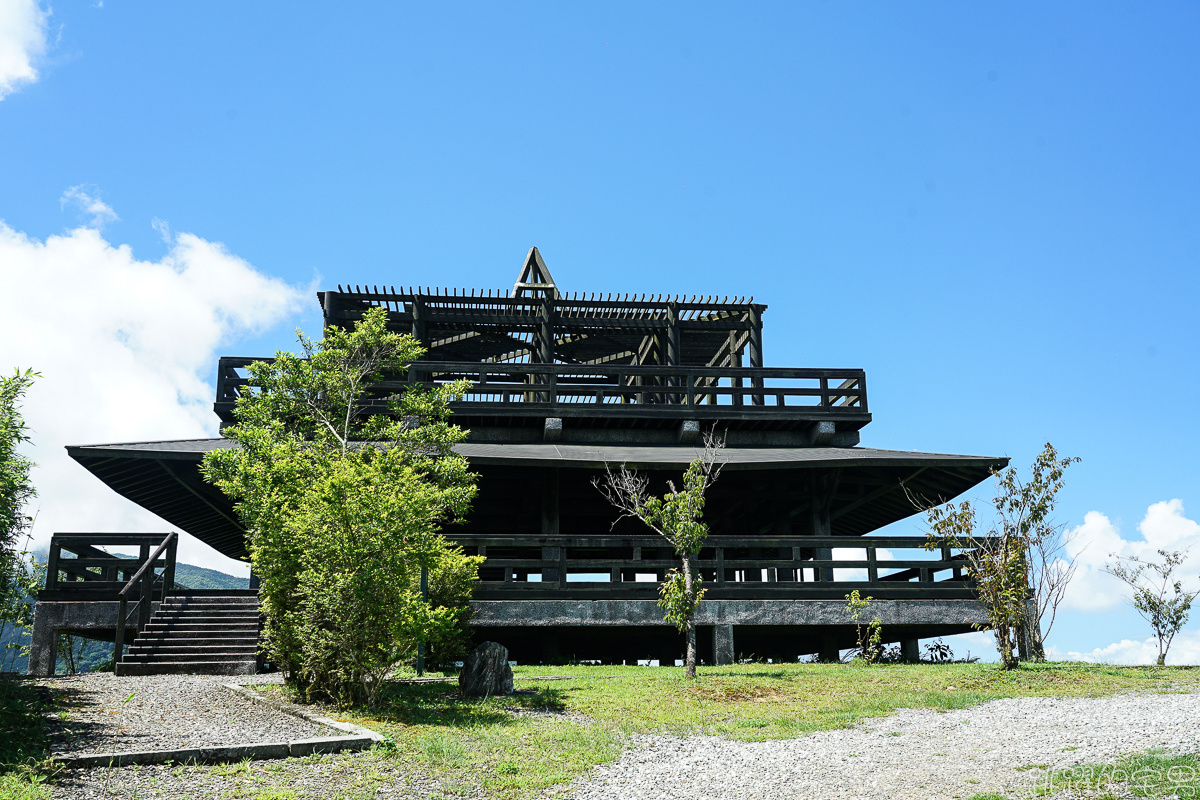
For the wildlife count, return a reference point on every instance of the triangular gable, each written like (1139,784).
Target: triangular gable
(535,276)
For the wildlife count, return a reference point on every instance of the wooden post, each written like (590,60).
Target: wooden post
(756,352)
(735,360)
(52,565)
(550,524)
(545,346)
(119,639)
(674,348)
(821,526)
(169,571)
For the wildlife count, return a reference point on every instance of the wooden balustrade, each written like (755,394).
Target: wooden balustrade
(538,388)
(798,567)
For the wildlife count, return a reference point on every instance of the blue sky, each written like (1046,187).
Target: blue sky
(993,209)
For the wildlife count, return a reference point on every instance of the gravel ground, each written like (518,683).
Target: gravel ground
(107,714)
(359,776)
(913,754)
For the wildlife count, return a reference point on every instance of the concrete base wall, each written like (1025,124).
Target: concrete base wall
(93,619)
(554,613)
(555,631)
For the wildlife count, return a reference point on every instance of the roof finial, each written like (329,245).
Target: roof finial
(535,277)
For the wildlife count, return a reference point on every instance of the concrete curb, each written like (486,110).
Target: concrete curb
(357,738)
(316,719)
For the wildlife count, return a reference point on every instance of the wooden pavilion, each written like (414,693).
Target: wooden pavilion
(565,384)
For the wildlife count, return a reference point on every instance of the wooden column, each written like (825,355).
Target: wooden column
(735,360)
(545,347)
(418,321)
(756,350)
(820,525)
(550,523)
(674,349)
(783,527)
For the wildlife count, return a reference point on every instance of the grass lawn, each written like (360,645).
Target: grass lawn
(1153,774)
(556,730)
(23,745)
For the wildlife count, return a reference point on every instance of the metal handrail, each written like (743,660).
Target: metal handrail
(147,598)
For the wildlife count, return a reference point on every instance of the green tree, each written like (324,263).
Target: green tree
(1161,601)
(343,490)
(1017,562)
(17,570)
(677,516)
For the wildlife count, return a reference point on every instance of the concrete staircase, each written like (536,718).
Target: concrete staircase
(199,633)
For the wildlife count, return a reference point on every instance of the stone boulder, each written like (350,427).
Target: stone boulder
(485,672)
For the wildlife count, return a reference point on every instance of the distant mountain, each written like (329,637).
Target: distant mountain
(194,577)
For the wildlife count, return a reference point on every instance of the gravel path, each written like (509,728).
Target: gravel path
(915,754)
(106,714)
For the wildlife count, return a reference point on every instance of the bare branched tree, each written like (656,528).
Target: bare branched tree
(677,516)
(1020,563)
(1161,601)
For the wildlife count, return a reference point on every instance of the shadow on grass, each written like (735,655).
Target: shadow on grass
(23,736)
(441,704)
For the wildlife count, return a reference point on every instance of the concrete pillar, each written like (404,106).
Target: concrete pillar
(910,649)
(42,645)
(723,651)
(829,652)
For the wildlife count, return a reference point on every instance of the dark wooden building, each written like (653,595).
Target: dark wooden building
(564,384)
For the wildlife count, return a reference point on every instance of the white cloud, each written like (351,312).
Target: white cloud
(1185,649)
(1095,542)
(127,349)
(22,42)
(97,212)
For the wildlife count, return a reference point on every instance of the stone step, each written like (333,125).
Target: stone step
(196,667)
(217,613)
(174,647)
(158,625)
(169,658)
(207,634)
(233,641)
(249,606)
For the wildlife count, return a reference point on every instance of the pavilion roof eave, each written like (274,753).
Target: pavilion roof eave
(164,476)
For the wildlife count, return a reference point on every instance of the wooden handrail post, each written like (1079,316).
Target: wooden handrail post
(145,600)
(119,639)
(52,565)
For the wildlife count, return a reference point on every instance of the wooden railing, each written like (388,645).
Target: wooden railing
(517,387)
(797,567)
(146,581)
(78,568)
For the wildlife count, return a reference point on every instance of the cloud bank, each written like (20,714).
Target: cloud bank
(1185,649)
(22,41)
(127,349)
(1165,527)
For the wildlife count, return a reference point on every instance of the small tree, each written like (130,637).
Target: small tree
(870,636)
(1018,563)
(677,516)
(342,507)
(1161,602)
